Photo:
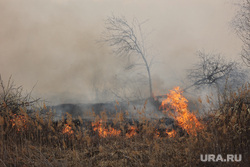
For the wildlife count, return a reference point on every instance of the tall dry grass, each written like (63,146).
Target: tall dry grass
(38,141)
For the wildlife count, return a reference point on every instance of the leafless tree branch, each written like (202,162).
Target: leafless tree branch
(241,25)
(127,40)
(211,69)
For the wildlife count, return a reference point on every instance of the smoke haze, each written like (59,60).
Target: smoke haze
(54,42)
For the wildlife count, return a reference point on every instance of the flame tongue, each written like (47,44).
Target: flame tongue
(132,132)
(185,119)
(171,133)
(103,132)
(18,121)
(67,130)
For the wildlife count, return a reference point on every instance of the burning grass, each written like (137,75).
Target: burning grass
(38,141)
(179,104)
(102,131)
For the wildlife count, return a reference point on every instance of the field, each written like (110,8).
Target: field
(37,140)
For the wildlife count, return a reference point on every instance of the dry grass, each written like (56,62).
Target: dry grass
(39,141)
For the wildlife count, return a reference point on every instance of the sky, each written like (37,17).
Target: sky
(53,44)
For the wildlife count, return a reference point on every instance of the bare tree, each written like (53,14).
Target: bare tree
(210,70)
(214,70)
(128,40)
(241,25)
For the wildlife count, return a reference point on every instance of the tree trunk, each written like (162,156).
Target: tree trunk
(150,82)
(149,75)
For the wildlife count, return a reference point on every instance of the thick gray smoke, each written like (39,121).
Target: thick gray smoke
(53,43)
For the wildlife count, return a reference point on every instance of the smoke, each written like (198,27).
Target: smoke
(53,43)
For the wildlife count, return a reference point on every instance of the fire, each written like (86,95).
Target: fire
(186,120)
(157,134)
(103,132)
(18,121)
(171,133)
(131,132)
(67,130)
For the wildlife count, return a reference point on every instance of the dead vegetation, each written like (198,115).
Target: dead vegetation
(26,141)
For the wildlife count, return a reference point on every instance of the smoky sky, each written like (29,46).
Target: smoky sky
(54,43)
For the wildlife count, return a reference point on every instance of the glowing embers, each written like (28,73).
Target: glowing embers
(104,132)
(171,134)
(185,119)
(131,132)
(19,122)
(67,130)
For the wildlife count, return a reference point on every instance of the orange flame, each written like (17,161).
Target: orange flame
(103,132)
(157,134)
(171,133)
(18,121)
(131,132)
(67,130)
(184,118)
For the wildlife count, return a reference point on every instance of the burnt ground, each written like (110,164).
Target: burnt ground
(152,111)
(85,111)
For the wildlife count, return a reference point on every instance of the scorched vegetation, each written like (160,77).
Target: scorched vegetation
(37,140)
